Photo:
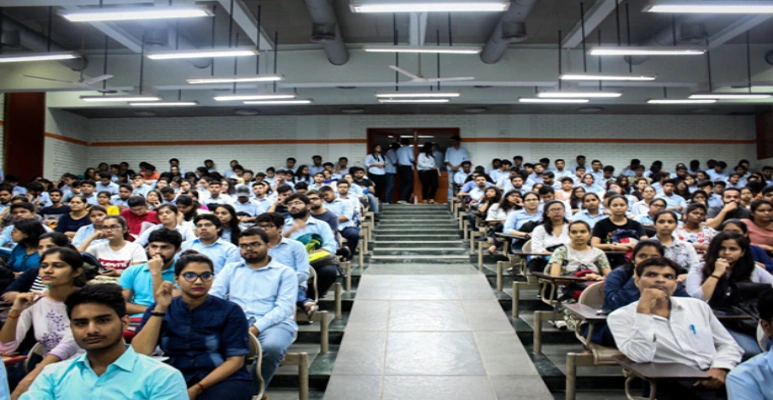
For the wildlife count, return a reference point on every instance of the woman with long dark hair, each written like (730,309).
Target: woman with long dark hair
(497,215)
(302,175)
(575,200)
(553,231)
(77,217)
(694,230)
(26,233)
(227,216)
(428,174)
(760,256)
(761,224)
(375,163)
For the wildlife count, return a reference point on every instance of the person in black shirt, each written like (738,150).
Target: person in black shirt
(77,217)
(360,180)
(617,233)
(57,209)
(731,209)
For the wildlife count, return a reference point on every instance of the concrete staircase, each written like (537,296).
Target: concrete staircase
(417,234)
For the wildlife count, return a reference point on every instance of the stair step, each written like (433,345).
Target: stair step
(381,249)
(408,224)
(387,220)
(421,259)
(418,236)
(414,243)
(412,229)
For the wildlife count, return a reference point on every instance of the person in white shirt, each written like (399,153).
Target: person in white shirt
(428,174)
(375,163)
(660,328)
(168,215)
(116,254)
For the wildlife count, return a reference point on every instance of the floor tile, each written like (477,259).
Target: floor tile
(424,288)
(486,315)
(368,315)
(364,387)
(503,354)
(432,353)
(374,288)
(361,353)
(520,388)
(437,388)
(473,288)
(427,316)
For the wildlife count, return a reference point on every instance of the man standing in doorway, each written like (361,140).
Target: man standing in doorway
(455,155)
(391,170)
(405,161)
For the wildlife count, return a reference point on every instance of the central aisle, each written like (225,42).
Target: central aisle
(429,331)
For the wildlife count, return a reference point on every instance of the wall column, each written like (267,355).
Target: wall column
(24,123)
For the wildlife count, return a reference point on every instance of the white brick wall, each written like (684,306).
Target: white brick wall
(258,157)
(62,156)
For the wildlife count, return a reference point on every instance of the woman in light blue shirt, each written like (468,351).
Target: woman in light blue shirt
(516,220)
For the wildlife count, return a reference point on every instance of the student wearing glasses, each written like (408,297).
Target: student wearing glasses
(205,337)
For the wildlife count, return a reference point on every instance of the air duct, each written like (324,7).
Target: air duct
(689,31)
(511,28)
(31,40)
(326,30)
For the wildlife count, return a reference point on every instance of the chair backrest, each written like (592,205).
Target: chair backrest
(37,350)
(527,246)
(255,356)
(593,295)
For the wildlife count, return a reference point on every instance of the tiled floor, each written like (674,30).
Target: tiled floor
(431,337)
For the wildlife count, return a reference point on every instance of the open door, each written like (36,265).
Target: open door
(418,137)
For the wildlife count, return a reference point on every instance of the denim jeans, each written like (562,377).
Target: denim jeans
(274,342)
(390,187)
(373,203)
(302,299)
(352,236)
(749,344)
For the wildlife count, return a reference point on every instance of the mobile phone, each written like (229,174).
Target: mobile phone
(602,312)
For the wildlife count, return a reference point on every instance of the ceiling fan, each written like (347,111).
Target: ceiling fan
(419,78)
(83,82)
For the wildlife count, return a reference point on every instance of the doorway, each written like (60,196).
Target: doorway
(417,137)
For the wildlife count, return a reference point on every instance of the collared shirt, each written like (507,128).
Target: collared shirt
(371,159)
(198,341)
(117,201)
(314,226)
(138,279)
(5,392)
(132,376)
(391,158)
(477,193)
(682,252)
(111,188)
(674,200)
(640,208)
(313,169)
(751,380)
(405,156)
(461,176)
(266,295)
(85,232)
(293,254)
(692,335)
(716,176)
(91,200)
(221,252)
(250,207)
(584,215)
(457,156)
(342,209)
(184,230)
(695,278)
(515,220)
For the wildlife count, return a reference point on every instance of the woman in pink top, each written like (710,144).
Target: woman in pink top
(761,224)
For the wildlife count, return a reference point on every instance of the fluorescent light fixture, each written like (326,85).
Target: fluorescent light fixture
(401,95)
(711,7)
(605,77)
(414,100)
(166,104)
(395,6)
(27,57)
(201,53)
(554,101)
(582,95)
(646,51)
(730,96)
(131,98)
(249,97)
(280,102)
(424,49)
(136,13)
(236,79)
(679,101)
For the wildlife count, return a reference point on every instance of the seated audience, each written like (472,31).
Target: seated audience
(61,269)
(760,224)
(729,210)
(26,234)
(618,232)
(660,328)
(522,222)
(138,281)
(694,230)
(108,369)
(578,256)
(267,291)
(752,379)
(590,212)
(761,258)
(553,231)
(727,262)
(345,212)
(169,217)
(77,217)
(205,337)
(497,215)
(97,214)
(103,199)
(137,214)
(676,250)
(642,207)
(230,222)
(116,254)
(209,242)
(29,280)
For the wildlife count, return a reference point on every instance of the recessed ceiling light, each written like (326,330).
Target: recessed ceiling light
(574,95)
(413,100)
(245,111)
(647,51)
(680,101)
(249,97)
(396,6)
(605,77)
(200,53)
(405,95)
(120,98)
(710,7)
(27,57)
(554,101)
(280,102)
(166,104)
(136,13)
(731,96)
(424,49)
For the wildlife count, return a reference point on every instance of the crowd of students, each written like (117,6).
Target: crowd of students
(192,263)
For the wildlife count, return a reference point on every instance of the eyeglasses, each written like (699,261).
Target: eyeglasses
(265,226)
(191,277)
(556,210)
(297,203)
(110,227)
(205,225)
(253,245)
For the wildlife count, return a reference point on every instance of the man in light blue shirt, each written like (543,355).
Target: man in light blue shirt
(5,392)
(316,235)
(221,252)
(137,280)
(175,163)
(718,172)
(753,380)
(121,200)
(106,184)
(243,202)
(317,166)
(346,214)
(390,171)
(267,291)
(674,202)
(108,370)
(88,192)
(461,175)
(455,155)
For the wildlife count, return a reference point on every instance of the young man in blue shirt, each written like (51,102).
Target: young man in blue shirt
(209,243)
(108,369)
(137,280)
(752,379)
(267,291)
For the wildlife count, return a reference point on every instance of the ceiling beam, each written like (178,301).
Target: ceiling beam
(736,28)
(593,18)
(249,24)
(417,32)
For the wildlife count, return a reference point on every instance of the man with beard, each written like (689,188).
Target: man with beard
(660,328)
(108,369)
(316,236)
(137,280)
(267,291)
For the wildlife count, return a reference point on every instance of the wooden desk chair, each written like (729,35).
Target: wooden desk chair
(256,356)
(655,372)
(299,359)
(321,316)
(479,230)
(531,281)
(346,266)
(37,350)
(592,299)
(512,261)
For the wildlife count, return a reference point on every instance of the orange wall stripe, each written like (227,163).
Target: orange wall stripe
(66,139)
(231,142)
(605,140)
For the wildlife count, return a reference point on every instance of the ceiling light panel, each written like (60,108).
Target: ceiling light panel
(136,13)
(397,6)
(131,98)
(552,101)
(568,95)
(646,51)
(731,96)
(404,95)
(679,101)
(166,104)
(424,49)
(200,53)
(710,7)
(249,97)
(30,57)
(235,79)
(387,101)
(605,77)
(280,102)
